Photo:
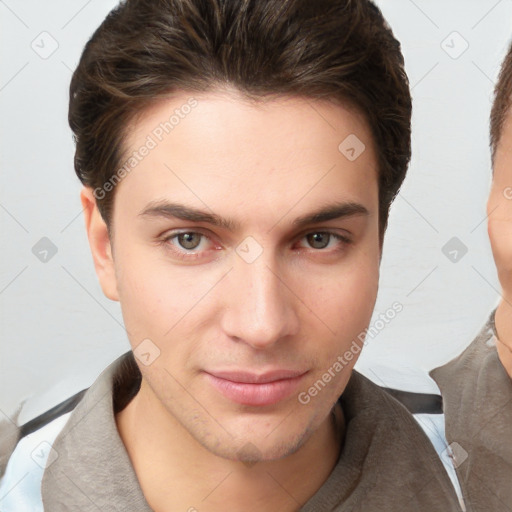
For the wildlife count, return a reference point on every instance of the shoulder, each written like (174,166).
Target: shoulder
(26,453)
(402,434)
(474,384)
(27,439)
(479,356)
(477,393)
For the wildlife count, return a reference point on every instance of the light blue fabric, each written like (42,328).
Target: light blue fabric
(20,486)
(433,426)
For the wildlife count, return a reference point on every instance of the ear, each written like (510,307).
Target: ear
(100,245)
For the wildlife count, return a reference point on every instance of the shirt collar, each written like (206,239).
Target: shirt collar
(93,470)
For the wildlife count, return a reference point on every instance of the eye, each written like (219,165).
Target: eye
(179,244)
(321,239)
(189,240)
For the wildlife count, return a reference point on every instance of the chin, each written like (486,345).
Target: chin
(250,449)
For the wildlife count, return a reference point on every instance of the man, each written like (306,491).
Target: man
(239,160)
(477,385)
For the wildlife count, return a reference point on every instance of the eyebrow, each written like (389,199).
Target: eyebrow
(171,210)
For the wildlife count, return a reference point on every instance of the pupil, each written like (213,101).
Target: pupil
(187,240)
(317,239)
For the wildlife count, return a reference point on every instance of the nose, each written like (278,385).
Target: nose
(259,305)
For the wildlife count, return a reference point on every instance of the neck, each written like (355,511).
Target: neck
(175,472)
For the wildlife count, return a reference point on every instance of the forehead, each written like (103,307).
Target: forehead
(264,117)
(219,148)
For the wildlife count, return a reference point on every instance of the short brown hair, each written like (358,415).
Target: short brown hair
(337,50)
(501,103)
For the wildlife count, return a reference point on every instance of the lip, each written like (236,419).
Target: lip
(253,389)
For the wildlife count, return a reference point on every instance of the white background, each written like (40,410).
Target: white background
(56,325)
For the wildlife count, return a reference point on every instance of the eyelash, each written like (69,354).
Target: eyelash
(193,256)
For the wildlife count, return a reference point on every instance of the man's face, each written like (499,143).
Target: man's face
(223,307)
(499,212)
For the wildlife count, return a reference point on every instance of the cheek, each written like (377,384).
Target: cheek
(145,295)
(348,298)
(344,305)
(346,308)
(358,297)
(157,297)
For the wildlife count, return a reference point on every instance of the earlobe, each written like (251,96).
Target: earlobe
(100,244)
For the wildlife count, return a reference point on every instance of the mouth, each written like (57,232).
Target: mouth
(256,389)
